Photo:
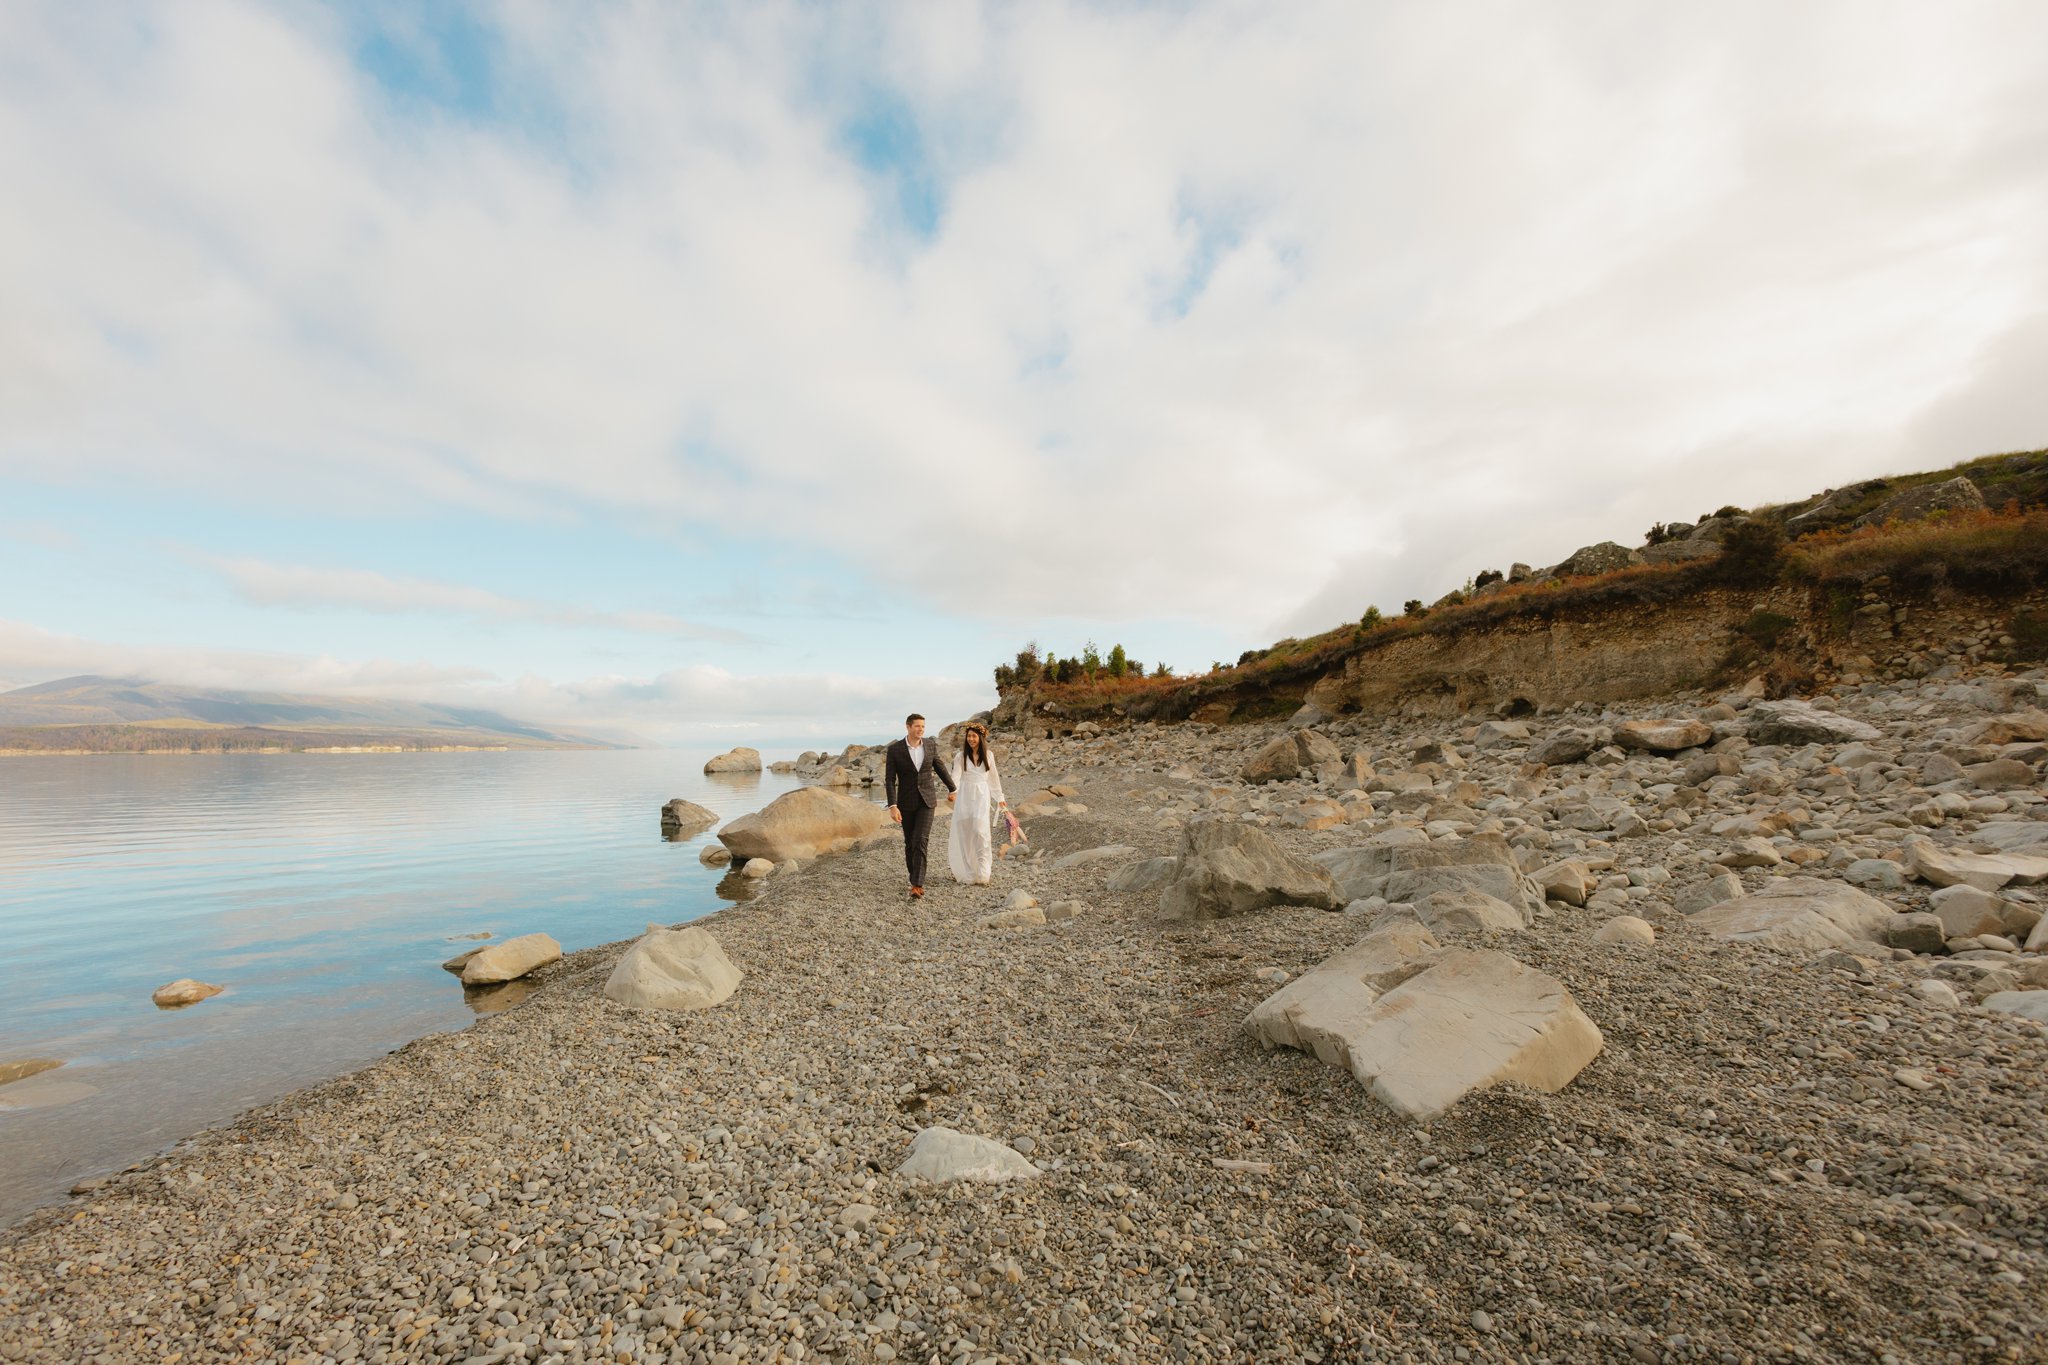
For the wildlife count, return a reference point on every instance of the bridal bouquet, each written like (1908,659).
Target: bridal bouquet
(1014,830)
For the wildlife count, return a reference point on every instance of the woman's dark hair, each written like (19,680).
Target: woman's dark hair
(979,755)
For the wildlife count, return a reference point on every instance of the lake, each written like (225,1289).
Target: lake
(323,891)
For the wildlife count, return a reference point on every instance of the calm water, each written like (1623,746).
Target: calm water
(323,890)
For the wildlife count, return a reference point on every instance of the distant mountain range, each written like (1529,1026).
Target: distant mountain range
(93,714)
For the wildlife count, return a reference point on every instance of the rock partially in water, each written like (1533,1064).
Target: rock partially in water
(184,991)
(515,957)
(807,823)
(11,1072)
(686,817)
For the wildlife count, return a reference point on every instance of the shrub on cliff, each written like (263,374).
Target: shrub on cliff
(1751,555)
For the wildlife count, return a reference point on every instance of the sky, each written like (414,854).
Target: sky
(697,372)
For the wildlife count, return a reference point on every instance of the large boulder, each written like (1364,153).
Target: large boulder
(1663,736)
(945,1154)
(2016,836)
(1464,909)
(1413,872)
(1605,557)
(1149,875)
(741,760)
(681,815)
(1423,1027)
(673,969)
(1798,722)
(1227,868)
(507,961)
(1569,745)
(1569,880)
(1940,866)
(806,823)
(1680,551)
(1999,775)
(1498,734)
(1926,500)
(1799,914)
(2026,1004)
(2020,727)
(1286,756)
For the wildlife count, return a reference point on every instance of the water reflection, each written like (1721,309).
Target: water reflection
(739,888)
(498,998)
(324,891)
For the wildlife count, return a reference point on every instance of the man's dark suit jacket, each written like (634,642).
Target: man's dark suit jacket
(900,776)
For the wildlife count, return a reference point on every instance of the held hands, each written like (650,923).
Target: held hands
(896,815)
(951,797)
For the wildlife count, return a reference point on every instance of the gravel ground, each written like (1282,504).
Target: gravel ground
(1737,1177)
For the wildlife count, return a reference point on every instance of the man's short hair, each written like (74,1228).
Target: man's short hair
(911,719)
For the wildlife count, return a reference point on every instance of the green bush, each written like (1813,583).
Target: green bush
(1764,628)
(1413,607)
(1751,554)
(1371,619)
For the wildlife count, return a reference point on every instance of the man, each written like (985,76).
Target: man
(913,795)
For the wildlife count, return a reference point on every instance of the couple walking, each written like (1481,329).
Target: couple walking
(911,778)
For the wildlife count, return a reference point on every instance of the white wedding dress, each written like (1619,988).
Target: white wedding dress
(970,849)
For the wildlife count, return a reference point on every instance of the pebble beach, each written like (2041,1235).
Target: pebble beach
(1777,1155)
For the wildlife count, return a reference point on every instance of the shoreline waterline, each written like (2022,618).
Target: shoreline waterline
(323,891)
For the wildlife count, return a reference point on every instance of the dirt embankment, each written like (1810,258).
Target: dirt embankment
(1601,652)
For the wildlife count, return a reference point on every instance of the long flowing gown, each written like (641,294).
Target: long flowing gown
(970,849)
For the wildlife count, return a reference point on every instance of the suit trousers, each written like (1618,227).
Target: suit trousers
(917,832)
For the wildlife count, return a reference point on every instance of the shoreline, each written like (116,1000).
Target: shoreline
(570,1179)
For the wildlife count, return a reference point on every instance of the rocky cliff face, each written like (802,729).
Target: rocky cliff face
(1525,664)
(1529,663)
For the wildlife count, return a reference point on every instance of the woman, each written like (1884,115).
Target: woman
(970,847)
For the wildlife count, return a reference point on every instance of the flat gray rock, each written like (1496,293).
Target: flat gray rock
(1423,1027)
(1108,853)
(941,1155)
(2026,1004)
(1800,914)
(1798,722)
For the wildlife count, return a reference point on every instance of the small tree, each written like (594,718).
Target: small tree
(1413,607)
(1091,658)
(1751,554)
(1119,662)
(1161,671)
(1371,619)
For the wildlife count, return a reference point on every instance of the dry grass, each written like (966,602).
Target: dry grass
(2003,550)
(1993,549)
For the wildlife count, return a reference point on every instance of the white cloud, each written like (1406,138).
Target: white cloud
(1236,312)
(296,585)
